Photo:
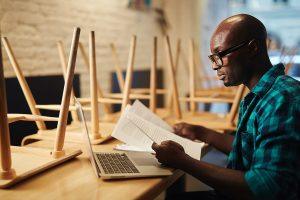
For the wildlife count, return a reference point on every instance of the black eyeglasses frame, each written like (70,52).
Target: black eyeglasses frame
(221,54)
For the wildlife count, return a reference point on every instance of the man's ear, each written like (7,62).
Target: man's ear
(253,47)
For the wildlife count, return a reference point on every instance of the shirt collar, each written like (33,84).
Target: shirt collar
(268,79)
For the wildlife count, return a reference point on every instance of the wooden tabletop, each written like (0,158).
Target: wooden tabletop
(76,180)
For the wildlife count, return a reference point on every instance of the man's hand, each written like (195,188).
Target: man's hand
(222,142)
(169,153)
(186,130)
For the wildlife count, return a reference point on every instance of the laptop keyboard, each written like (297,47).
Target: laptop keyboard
(115,163)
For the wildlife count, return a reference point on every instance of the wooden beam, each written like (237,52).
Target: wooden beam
(129,72)
(192,76)
(13,117)
(173,79)
(93,87)
(106,107)
(207,99)
(117,66)
(63,114)
(6,170)
(153,77)
(23,83)
(63,63)
(177,56)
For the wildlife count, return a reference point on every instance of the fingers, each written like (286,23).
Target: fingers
(185,131)
(155,146)
(178,128)
(171,143)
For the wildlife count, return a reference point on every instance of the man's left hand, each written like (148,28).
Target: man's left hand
(170,153)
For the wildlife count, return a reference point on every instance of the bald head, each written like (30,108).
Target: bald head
(238,28)
(239,50)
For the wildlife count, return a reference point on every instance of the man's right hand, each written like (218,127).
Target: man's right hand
(223,142)
(186,130)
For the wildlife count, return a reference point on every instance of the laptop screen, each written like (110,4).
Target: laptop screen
(86,137)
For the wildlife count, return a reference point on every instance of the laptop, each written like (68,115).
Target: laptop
(118,164)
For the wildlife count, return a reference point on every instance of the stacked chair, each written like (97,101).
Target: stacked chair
(20,163)
(214,95)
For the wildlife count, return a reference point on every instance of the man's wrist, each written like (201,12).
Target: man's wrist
(184,162)
(203,134)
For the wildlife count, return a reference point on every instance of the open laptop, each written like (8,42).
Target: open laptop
(119,165)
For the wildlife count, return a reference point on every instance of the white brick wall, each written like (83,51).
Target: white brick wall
(34,26)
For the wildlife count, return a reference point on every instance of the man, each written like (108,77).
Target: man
(264,154)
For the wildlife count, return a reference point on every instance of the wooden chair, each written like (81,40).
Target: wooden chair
(13,117)
(210,120)
(204,95)
(205,82)
(23,83)
(25,89)
(105,128)
(20,163)
(43,133)
(100,131)
(121,81)
(210,90)
(125,85)
(291,54)
(146,92)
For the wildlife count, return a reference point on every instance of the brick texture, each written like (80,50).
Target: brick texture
(34,26)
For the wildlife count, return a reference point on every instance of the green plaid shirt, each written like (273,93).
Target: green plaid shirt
(267,142)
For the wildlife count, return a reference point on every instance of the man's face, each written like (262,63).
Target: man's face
(233,70)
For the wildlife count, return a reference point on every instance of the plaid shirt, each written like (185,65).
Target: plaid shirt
(267,142)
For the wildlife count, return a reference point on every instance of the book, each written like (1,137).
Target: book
(140,127)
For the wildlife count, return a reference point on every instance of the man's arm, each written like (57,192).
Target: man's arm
(222,142)
(227,181)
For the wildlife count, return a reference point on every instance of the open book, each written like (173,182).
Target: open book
(139,127)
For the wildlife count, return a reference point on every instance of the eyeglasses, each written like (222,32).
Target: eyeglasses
(217,57)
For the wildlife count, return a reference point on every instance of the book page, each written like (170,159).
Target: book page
(159,135)
(128,133)
(126,147)
(142,111)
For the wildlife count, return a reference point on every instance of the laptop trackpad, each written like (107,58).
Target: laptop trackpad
(143,159)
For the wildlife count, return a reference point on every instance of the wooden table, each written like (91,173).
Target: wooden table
(76,180)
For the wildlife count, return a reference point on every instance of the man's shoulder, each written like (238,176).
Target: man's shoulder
(286,89)
(283,95)
(288,83)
